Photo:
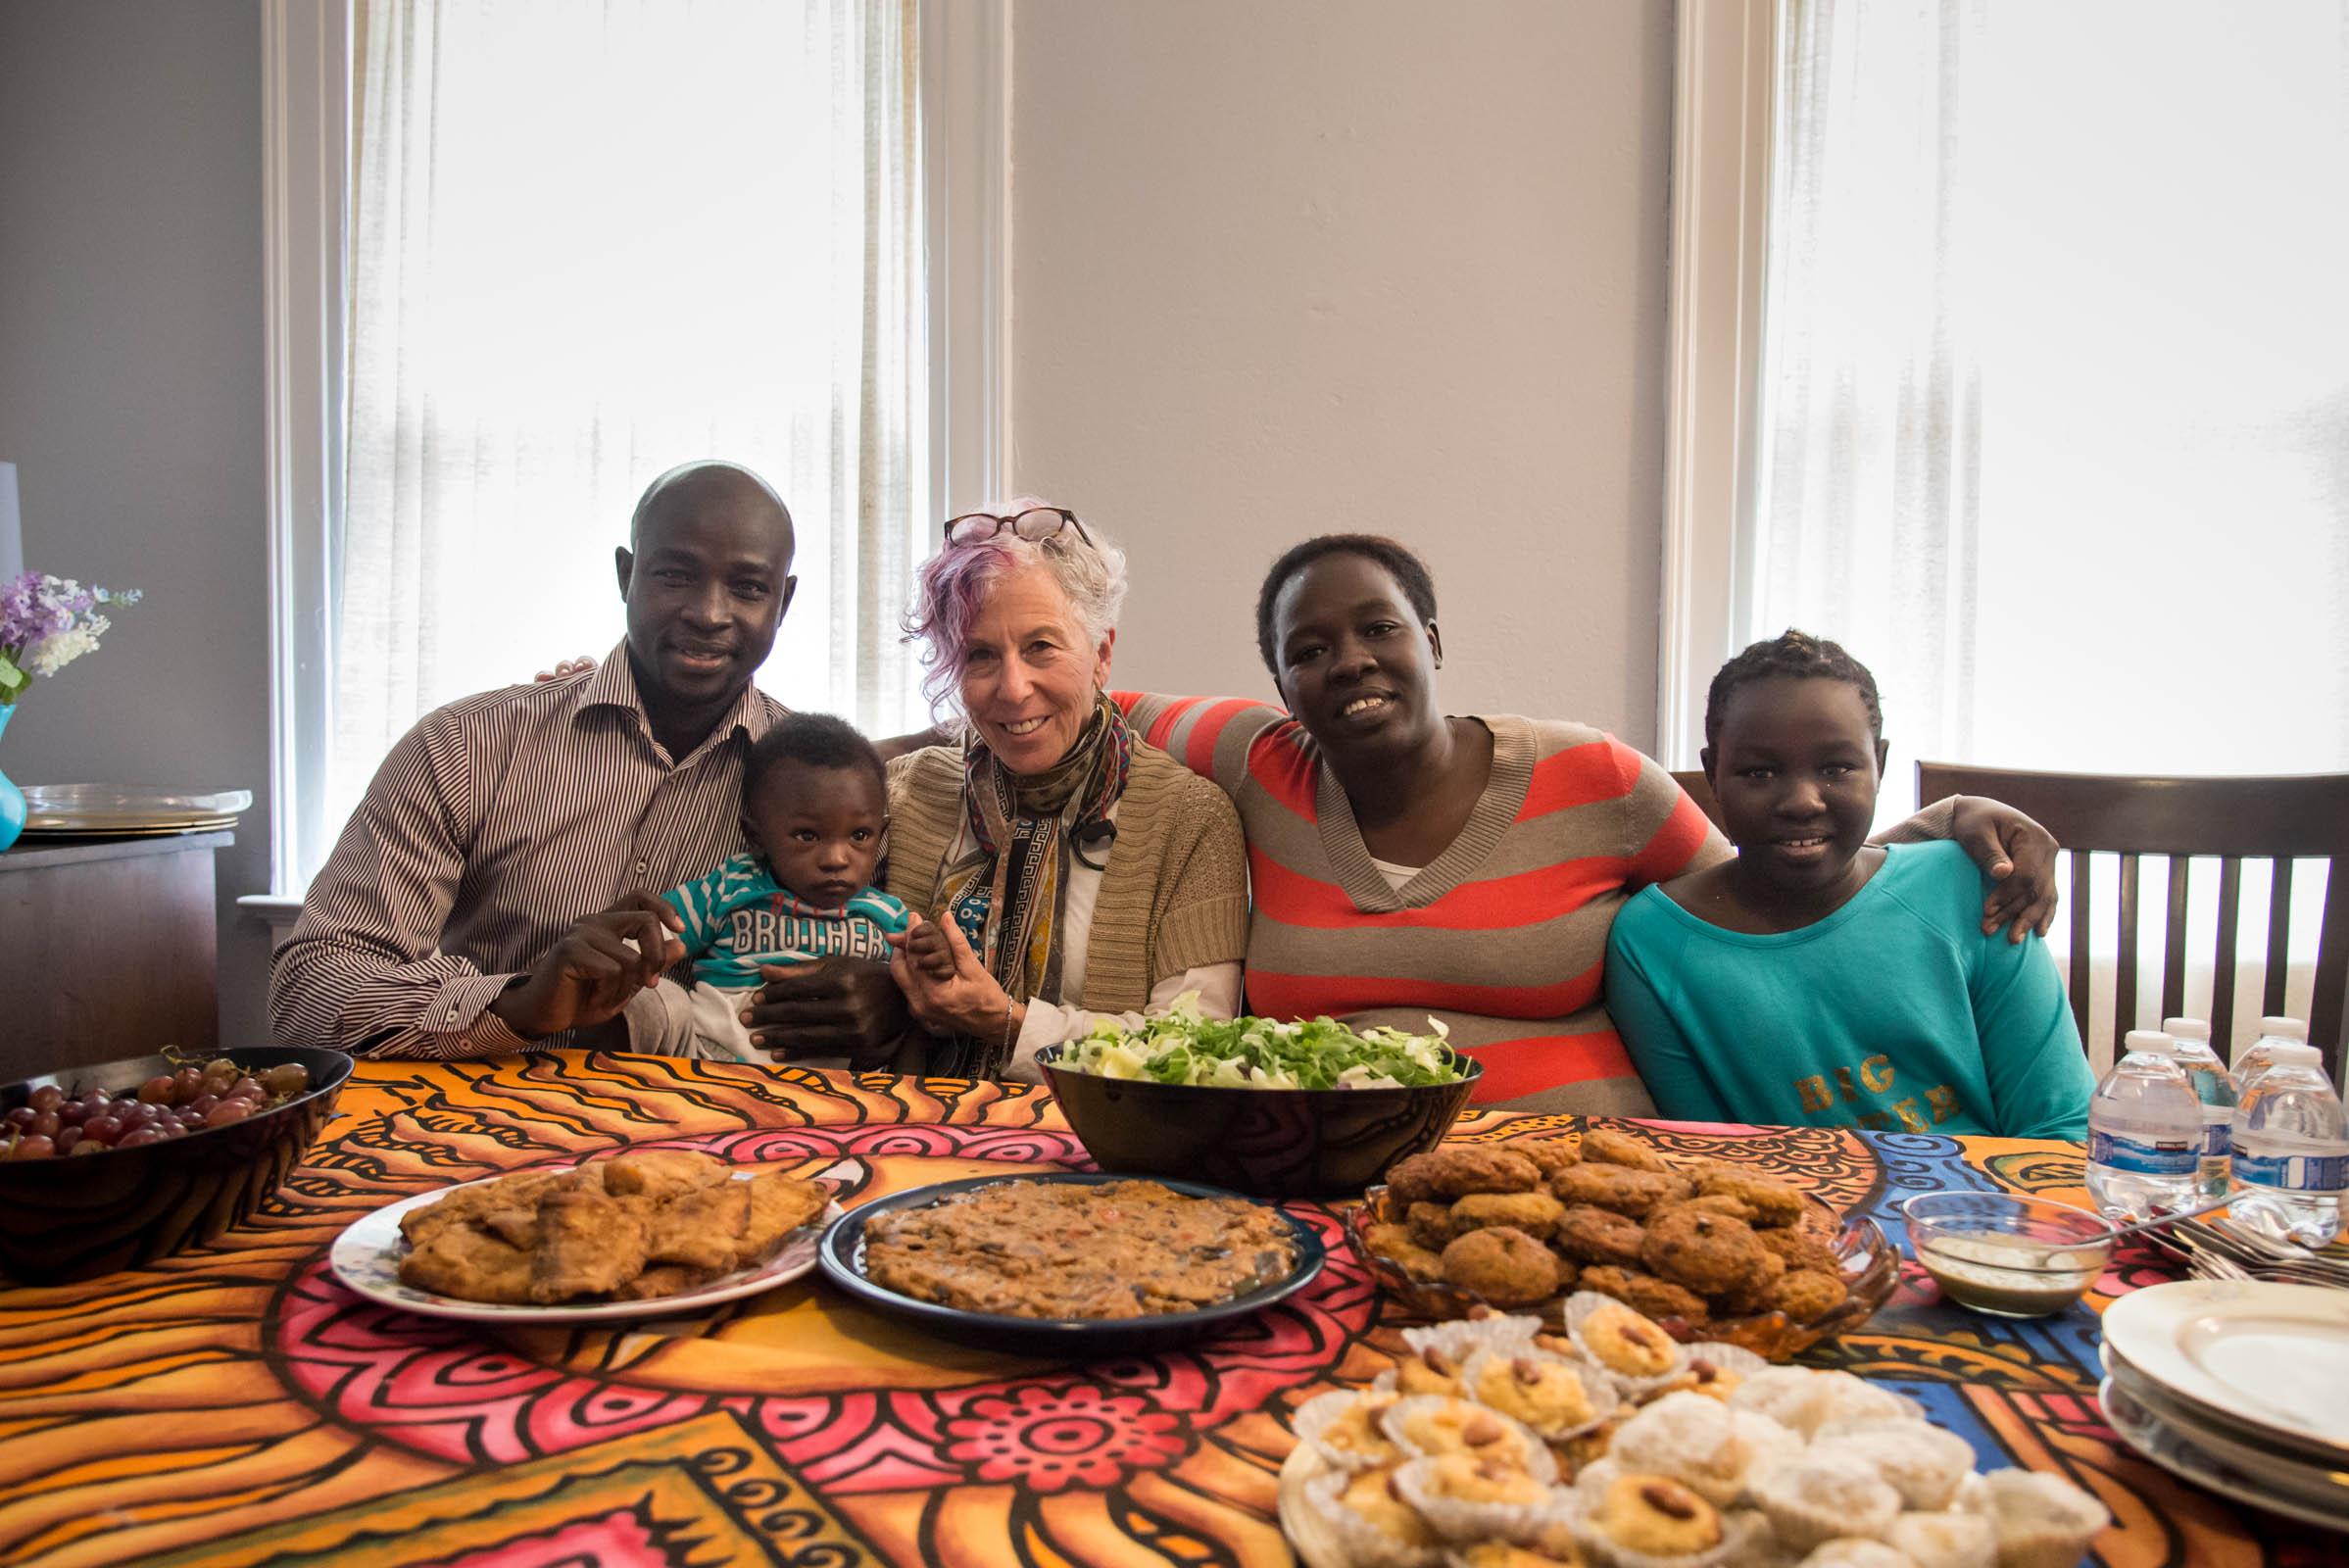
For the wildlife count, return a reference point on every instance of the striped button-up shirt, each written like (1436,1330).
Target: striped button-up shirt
(493,824)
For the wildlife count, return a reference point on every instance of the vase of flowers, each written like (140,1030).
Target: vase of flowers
(45,623)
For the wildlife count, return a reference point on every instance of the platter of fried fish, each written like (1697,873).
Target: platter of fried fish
(637,1235)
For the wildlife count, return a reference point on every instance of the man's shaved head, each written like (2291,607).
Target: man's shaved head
(707,481)
(706,577)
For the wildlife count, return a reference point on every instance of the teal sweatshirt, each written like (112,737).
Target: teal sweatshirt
(1895,1012)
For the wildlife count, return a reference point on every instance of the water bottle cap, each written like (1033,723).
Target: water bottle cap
(2186,1028)
(2149,1042)
(2291,1055)
(2284,1028)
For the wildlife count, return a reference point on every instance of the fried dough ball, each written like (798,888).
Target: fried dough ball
(1773,1202)
(1591,1235)
(1549,1155)
(1621,1148)
(1804,1293)
(1658,1298)
(1800,1249)
(1455,1170)
(1504,1265)
(1616,1187)
(1431,1225)
(1736,1209)
(1709,1253)
(1754,1295)
(1534,1213)
(1394,1243)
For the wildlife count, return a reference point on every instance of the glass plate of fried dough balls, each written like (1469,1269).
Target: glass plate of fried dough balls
(1709,1249)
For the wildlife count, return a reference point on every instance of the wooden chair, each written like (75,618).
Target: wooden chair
(1695,785)
(2303,817)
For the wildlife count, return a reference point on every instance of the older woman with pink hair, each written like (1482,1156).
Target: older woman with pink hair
(1062,868)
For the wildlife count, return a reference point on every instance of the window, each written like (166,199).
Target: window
(524,258)
(2032,384)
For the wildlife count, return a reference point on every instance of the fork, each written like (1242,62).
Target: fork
(2209,1256)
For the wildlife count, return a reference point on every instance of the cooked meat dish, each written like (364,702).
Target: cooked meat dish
(1070,1249)
(630,1228)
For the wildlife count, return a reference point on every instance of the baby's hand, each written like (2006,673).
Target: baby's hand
(929,952)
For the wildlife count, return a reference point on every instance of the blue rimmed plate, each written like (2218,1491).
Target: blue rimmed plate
(841,1255)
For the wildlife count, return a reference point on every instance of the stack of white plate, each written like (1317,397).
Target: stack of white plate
(2238,1385)
(124,811)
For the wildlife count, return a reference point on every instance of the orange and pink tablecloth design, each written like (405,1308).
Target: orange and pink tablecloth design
(236,1406)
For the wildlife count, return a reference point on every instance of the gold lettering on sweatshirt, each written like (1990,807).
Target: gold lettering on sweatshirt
(1873,1081)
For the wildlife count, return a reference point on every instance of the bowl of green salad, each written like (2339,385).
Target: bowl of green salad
(1277,1109)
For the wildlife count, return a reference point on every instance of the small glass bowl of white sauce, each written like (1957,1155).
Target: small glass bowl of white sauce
(2007,1255)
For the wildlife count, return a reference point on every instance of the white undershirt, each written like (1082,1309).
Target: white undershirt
(1049,1023)
(1395,875)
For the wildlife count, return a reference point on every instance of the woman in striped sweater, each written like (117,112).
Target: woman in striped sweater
(1404,864)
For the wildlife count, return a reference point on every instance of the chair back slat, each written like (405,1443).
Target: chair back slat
(2278,819)
(2174,942)
(2280,910)
(2230,890)
(2326,1020)
(2081,903)
(2124,973)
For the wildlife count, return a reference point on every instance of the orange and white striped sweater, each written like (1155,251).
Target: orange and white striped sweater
(1503,936)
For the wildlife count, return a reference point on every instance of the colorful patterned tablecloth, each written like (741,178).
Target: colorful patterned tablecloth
(235,1405)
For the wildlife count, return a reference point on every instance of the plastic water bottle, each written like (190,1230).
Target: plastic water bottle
(2272,1032)
(2144,1131)
(2291,1151)
(2214,1089)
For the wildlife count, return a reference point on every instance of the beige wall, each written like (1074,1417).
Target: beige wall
(1283,267)
(130,400)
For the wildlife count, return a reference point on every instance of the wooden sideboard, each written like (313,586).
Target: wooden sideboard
(108,949)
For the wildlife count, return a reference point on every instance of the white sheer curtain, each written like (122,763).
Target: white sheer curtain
(593,238)
(2055,388)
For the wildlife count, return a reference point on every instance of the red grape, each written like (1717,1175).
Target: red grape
(186,1084)
(234,1109)
(250,1088)
(21,1116)
(139,1136)
(156,1091)
(104,1131)
(202,1104)
(89,1147)
(46,1098)
(67,1139)
(72,1113)
(33,1147)
(44,1124)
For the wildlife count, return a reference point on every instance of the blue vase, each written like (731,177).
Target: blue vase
(12,799)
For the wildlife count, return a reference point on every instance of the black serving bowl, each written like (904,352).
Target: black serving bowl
(76,1216)
(1269,1143)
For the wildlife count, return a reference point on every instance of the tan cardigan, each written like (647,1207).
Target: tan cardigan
(1173,895)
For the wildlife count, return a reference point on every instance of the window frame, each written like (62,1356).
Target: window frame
(1724,88)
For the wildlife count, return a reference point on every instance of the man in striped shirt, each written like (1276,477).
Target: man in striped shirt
(492,891)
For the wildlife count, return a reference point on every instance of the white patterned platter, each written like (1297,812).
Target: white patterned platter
(366,1258)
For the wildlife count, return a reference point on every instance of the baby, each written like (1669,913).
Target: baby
(815,805)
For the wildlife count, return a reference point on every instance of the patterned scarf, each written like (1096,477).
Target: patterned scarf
(1006,892)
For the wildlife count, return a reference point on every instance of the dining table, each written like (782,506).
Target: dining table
(236,1404)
